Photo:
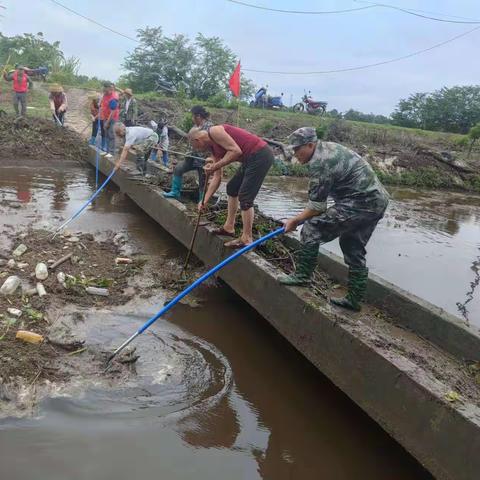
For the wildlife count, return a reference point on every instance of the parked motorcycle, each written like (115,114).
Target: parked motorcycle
(262,100)
(312,106)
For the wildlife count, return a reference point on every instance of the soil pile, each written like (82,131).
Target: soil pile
(24,137)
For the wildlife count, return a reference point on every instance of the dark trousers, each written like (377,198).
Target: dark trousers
(190,164)
(94,129)
(354,227)
(246,183)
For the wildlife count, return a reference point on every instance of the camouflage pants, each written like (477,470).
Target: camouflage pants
(354,227)
(142,151)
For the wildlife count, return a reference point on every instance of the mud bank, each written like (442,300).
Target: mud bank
(77,268)
(414,389)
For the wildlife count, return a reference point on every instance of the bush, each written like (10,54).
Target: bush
(220,100)
(187,122)
(321,131)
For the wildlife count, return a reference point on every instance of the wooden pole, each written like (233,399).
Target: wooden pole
(194,236)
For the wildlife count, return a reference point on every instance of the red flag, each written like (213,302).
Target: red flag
(234,82)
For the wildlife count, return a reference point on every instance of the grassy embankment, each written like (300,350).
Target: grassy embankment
(412,165)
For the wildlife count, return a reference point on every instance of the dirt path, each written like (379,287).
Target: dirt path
(78,115)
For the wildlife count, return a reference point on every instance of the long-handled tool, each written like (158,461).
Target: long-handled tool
(194,236)
(57,120)
(194,285)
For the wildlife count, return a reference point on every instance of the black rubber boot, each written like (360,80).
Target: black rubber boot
(306,260)
(357,285)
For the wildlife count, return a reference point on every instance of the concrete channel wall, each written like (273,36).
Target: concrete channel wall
(391,388)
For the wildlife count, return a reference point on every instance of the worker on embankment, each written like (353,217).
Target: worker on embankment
(232,144)
(163,141)
(128,108)
(20,83)
(58,103)
(360,202)
(94,112)
(140,140)
(194,161)
(109,115)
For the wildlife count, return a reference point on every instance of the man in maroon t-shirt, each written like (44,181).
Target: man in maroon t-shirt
(232,144)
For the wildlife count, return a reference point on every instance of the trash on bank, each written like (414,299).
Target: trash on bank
(29,337)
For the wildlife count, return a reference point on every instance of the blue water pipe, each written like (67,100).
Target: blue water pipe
(194,285)
(87,203)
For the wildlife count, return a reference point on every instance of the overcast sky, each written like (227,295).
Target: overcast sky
(274,41)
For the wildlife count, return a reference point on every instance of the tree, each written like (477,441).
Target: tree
(473,135)
(30,49)
(214,63)
(365,117)
(454,109)
(201,68)
(157,57)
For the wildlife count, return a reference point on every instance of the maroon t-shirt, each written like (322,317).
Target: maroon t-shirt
(248,142)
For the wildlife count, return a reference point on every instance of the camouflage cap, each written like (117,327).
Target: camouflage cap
(302,136)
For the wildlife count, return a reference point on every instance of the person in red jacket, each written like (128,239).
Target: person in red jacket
(20,82)
(229,144)
(109,115)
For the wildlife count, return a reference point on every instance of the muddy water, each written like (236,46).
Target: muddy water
(218,393)
(428,242)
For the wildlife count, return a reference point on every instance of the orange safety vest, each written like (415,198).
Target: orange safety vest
(20,86)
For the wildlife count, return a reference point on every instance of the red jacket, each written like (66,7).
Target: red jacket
(105,108)
(20,86)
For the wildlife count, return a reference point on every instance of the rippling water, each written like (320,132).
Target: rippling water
(218,395)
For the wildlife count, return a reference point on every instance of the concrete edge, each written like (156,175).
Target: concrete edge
(418,315)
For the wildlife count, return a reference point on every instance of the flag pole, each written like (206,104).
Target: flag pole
(239,90)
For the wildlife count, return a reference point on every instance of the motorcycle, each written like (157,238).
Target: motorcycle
(262,100)
(313,107)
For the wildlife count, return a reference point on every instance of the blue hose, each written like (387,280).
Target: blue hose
(195,284)
(87,203)
(211,272)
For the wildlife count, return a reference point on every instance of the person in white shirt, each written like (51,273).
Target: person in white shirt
(164,142)
(139,140)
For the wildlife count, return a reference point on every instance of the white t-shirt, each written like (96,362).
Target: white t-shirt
(136,135)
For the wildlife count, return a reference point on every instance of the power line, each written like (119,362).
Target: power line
(421,11)
(369,6)
(340,70)
(301,12)
(94,21)
(420,15)
(362,67)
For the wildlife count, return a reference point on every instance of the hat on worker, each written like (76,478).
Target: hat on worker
(128,91)
(302,136)
(56,88)
(107,84)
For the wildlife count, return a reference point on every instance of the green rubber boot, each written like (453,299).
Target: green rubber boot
(357,285)
(306,260)
(176,188)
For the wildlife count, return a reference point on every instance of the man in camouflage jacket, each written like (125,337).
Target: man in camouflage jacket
(360,202)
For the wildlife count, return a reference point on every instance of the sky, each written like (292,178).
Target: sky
(279,42)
